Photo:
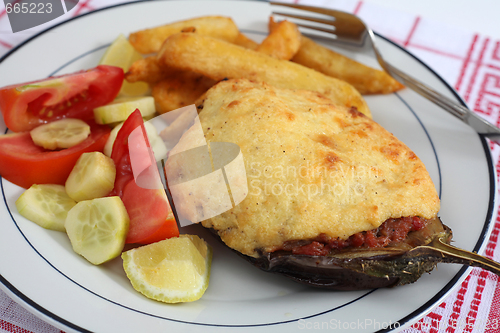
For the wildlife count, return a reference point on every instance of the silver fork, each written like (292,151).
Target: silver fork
(350,29)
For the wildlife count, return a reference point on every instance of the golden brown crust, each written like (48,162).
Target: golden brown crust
(243,41)
(219,60)
(148,70)
(283,41)
(179,90)
(365,79)
(150,40)
(312,167)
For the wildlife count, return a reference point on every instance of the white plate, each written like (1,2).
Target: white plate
(39,269)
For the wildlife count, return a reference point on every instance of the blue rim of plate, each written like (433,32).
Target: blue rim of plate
(402,322)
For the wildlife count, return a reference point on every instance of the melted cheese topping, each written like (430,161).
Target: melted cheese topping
(312,168)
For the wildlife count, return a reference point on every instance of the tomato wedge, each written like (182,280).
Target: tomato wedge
(27,105)
(151,218)
(24,163)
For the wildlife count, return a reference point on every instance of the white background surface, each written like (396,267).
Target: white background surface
(482,16)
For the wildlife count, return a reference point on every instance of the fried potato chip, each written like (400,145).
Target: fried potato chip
(147,70)
(179,90)
(283,41)
(150,40)
(243,40)
(189,29)
(218,60)
(365,79)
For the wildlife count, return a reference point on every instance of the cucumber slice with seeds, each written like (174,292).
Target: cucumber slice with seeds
(98,228)
(93,176)
(60,134)
(47,205)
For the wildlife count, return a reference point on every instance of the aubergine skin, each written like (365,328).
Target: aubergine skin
(321,272)
(364,268)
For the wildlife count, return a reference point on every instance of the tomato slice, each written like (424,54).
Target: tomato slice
(151,218)
(24,163)
(27,105)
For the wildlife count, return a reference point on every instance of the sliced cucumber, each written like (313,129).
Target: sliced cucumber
(97,228)
(59,134)
(93,176)
(156,142)
(108,147)
(122,107)
(47,205)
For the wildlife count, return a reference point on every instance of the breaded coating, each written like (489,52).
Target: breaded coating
(313,167)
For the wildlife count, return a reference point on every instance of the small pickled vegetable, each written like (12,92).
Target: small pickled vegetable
(122,107)
(60,134)
(97,228)
(173,270)
(47,205)
(92,177)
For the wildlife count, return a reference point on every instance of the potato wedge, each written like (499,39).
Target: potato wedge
(147,70)
(244,41)
(150,40)
(179,90)
(365,79)
(283,41)
(218,60)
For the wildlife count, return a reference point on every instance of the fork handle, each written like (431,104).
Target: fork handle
(460,256)
(481,126)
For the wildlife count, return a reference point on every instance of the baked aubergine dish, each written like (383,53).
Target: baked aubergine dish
(334,200)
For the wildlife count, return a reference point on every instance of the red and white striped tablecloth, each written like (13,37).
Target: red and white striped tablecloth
(468,61)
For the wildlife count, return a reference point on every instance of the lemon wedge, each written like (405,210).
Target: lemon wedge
(122,54)
(122,107)
(98,228)
(47,205)
(172,271)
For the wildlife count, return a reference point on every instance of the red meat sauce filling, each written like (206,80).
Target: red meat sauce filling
(390,232)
